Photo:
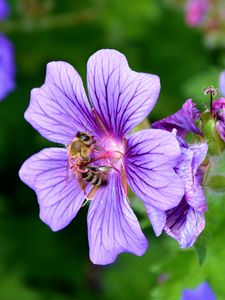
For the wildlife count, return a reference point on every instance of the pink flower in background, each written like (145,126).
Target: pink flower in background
(196,11)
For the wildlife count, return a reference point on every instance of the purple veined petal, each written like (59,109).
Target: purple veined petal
(197,197)
(218,106)
(60,107)
(188,169)
(220,126)
(112,226)
(183,120)
(184,224)
(7,69)
(202,292)
(157,218)
(222,83)
(4,10)
(59,194)
(200,152)
(150,158)
(121,97)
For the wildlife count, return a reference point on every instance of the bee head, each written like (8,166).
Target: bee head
(86,138)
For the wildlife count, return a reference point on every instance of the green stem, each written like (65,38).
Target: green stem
(211,101)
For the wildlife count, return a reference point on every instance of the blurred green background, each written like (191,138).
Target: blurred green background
(37,264)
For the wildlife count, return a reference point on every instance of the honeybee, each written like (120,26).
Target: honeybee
(94,175)
(79,162)
(81,146)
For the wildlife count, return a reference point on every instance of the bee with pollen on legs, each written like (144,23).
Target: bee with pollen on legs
(80,151)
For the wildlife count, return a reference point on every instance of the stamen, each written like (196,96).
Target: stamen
(99,121)
(210,90)
(124,180)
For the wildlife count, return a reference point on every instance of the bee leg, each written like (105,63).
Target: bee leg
(92,193)
(82,184)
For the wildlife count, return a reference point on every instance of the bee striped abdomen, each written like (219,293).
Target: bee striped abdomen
(93,176)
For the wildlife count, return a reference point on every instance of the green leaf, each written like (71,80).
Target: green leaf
(217,183)
(201,245)
(201,252)
(216,174)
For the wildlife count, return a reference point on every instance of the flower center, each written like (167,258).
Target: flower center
(113,149)
(91,160)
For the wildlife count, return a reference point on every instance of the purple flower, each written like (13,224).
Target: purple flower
(4,10)
(218,107)
(7,69)
(185,222)
(60,111)
(7,64)
(196,11)
(183,120)
(202,292)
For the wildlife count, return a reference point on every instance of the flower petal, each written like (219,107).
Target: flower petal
(7,69)
(121,97)
(200,152)
(183,120)
(4,10)
(157,218)
(188,169)
(202,292)
(60,107)
(112,226)
(184,224)
(149,160)
(220,126)
(59,194)
(218,106)
(222,83)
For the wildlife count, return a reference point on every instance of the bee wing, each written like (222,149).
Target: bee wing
(104,169)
